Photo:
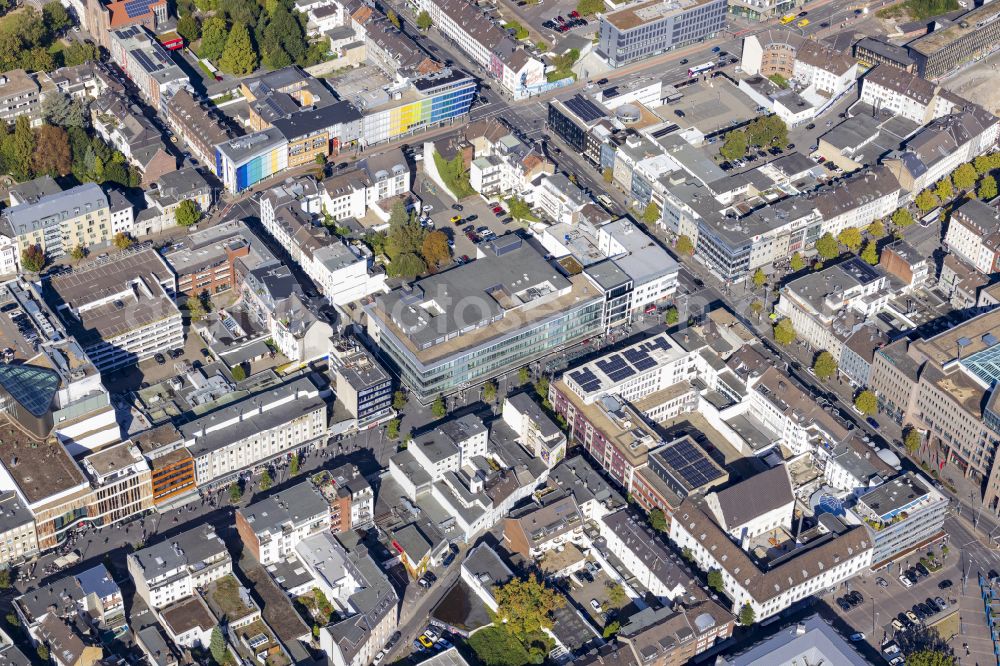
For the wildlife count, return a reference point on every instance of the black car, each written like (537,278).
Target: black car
(507,220)
(684,61)
(678,113)
(844,604)
(857,597)
(944,585)
(430,576)
(919,612)
(448,559)
(811,126)
(160,359)
(457,207)
(791,146)
(725,166)
(601,82)
(548,24)
(922,569)
(176,353)
(933,605)
(733,61)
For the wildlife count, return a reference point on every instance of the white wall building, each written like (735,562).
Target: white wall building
(170,571)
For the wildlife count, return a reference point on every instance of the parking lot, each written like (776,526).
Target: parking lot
(476,213)
(547,11)
(595,589)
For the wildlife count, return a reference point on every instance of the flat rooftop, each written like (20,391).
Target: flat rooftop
(40,469)
(188,614)
(966,24)
(650,12)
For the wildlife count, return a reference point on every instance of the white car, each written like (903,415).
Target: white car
(379,657)
(905,581)
(595,605)
(428,208)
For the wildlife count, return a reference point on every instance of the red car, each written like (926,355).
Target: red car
(575,14)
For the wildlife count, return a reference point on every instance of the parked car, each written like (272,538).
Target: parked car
(430,576)
(941,603)
(844,604)
(471,218)
(426,642)
(922,569)
(904,579)
(379,656)
(872,422)
(944,585)
(897,625)
(423,582)
(601,82)
(456,219)
(160,359)
(860,636)
(882,582)
(595,605)
(912,617)
(457,207)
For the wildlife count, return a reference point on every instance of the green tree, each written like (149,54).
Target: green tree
(757,307)
(747,615)
(13,620)
(608,174)
(926,201)
(218,646)
(122,241)
(237,371)
(985,163)
(407,265)
(825,365)
(22,149)
(964,176)
(987,188)
(293,465)
(715,581)
(489,391)
(188,28)
(671,316)
(78,252)
(187,213)
(658,520)
(784,332)
(78,53)
(930,658)
(405,236)
(902,218)
(870,253)
(43,652)
(235,493)
(876,229)
(439,409)
(435,249)
(797,263)
(590,7)
(424,20)
(52,152)
(523,375)
(827,246)
(239,57)
(542,388)
(735,145)
(866,402)
(520,209)
(5,579)
(851,238)
(265,480)
(612,628)
(196,311)
(617,596)
(495,646)
(398,400)
(61,110)
(57,19)
(759,278)
(651,215)
(214,34)
(525,606)
(393,19)
(684,245)
(33,258)
(392,429)
(944,189)
(912,440)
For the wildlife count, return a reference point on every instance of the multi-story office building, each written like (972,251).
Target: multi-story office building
(57,222)
(122,483)
(120,309)
(214,260)
(148,64)
(964,39)
(245,161)
(464,326)
(904,515)
(271,528)
(974,235)
(666,479)
(172,570)
(171,464)
(872,51)
(363,387)
(644,30)
(490,47)
(20,95)
(858,200)
(255,429)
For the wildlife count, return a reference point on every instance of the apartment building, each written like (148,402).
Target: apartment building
(253,430)
(271,528)
(101,17)
(18,538)
(20,95)
(558,199)
(907,94)
(810,64)
(172,570)
(645,554)
(59,221)
(148,64)
(648,29)
(503,165)
(535,430)
(827,306)
(904,515)
(214,260)
(364,387)
(122,483)
(941,146)
(537,529)
(198,125)
(490,47)
(524,318)
(351,499)
(974,235)
(123,125)
(166,193)
(858,200)
(120,308)
(789,416)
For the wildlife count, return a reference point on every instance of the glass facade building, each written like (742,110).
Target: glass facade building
(646,30)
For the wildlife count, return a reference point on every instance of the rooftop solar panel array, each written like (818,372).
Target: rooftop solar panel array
(137,8)
(690,463)
(586,379)
(615,368)
(584,109)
